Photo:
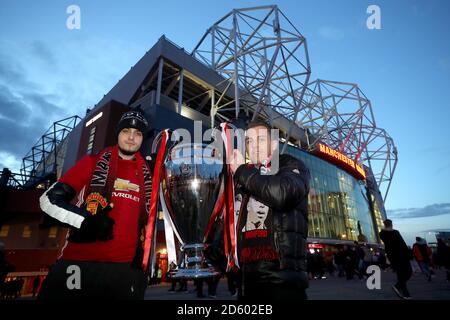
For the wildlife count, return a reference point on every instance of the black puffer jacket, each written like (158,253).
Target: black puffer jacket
(397,251)
(286,194)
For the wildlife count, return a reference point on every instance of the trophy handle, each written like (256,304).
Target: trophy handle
(156,141)
(217,133)
(166,199)
(173,137)
(215,216)
(237,132)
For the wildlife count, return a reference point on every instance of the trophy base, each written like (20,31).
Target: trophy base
(194,264)
(194,273)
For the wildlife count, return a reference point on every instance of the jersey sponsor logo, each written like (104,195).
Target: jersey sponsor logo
(125,196)
(125,185)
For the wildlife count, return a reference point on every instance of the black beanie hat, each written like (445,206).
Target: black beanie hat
(133,119)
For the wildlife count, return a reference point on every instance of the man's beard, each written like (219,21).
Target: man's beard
(126,152)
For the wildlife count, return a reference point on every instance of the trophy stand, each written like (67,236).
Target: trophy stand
(194,265)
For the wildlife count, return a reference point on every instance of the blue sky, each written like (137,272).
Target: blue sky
(48,72)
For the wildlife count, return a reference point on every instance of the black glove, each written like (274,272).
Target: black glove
(95,227)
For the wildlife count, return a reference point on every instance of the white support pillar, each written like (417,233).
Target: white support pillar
(180,91)
(159,81)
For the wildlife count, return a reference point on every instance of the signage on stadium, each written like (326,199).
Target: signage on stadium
(341,160)
(91,121)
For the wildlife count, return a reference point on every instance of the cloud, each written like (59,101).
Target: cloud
(427,211)
(26,110)
(42,82)
(43,106)
(11,107)
(7,160)
(23,119)
(12,73)
(437,230)
(331,33)
(41,51)
(424,227)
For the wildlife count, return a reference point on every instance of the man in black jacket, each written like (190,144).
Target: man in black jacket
(273,219)
(399,255)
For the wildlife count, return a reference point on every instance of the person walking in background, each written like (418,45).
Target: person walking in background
(339,261)
(159,275)
(319,264)
(172,269)
(36,284)
(349,262)
(422,254)
(382,260)
(368,259)
(330,265)
(360,254)
(443,255)
(399,255)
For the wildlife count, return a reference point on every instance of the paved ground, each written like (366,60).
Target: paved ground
(333,288)
(341,289)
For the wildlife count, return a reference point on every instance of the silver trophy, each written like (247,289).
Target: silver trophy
(192,182)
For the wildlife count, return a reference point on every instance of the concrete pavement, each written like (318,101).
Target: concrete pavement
(331,288)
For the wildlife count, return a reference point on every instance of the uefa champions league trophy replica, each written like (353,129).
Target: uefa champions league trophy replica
(196,194)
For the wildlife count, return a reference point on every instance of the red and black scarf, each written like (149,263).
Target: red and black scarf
(100,189)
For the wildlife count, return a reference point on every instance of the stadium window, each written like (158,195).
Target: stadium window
(91,140)
(53,232)
(26,232)
(4,231)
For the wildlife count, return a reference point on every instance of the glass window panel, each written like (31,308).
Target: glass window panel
(4,231)
(53,232)
(26,233)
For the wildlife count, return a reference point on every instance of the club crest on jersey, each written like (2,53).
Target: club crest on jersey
(93,200)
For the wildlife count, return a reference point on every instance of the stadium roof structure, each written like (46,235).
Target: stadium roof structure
(265,59)
(44,159)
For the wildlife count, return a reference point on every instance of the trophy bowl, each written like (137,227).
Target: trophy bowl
(192,183)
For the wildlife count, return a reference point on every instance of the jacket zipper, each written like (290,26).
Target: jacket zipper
(277,246)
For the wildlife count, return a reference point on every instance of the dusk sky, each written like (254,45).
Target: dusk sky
(48,72)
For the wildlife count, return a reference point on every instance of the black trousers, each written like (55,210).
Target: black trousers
(234,281)
(96,280)
(255,289)
(404,272)
(212,285)
(272,291)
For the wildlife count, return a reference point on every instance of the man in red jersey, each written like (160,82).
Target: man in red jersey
(103,253)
